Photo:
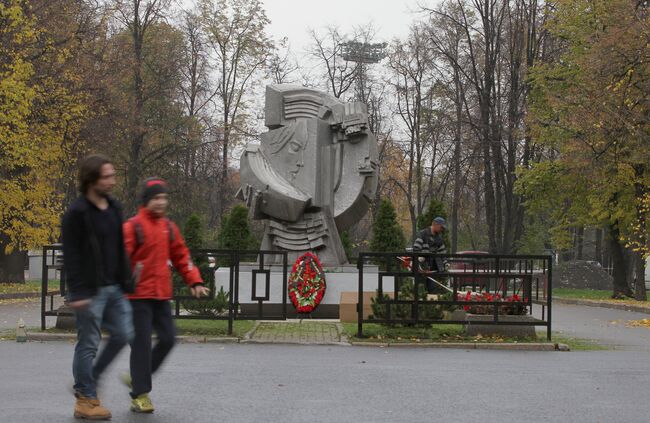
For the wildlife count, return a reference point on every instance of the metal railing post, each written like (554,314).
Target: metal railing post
(360,299)
(285,263)
(231,301)
(43,286)
(549,297)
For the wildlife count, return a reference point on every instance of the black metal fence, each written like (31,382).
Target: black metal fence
(52,261)
(234,264)
(480,283)
(214,265)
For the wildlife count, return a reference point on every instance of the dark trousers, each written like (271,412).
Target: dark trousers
(149,315)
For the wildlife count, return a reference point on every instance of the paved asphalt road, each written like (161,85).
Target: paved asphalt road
(277,383)
(604,325)
(280,383)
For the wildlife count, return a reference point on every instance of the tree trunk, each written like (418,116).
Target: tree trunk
(134,169)
(457,152)
(641,240)
(639,277)
(580,234)
(12,266)
(599,247)
(619,269)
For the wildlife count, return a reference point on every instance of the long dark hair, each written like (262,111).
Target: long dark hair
(90,170)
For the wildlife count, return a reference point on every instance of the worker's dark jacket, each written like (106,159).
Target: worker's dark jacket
(428,242)
(82,256)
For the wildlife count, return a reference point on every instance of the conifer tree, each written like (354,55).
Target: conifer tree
(235,232)
(434,209)
(193,233)
(387,234)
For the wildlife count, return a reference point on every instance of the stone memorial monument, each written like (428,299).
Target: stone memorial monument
(313,174)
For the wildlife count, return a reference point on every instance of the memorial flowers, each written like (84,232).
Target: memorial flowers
(511,309)
(306,283)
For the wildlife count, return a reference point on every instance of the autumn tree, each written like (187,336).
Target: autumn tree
(137,18)
(283,66)
(489,45)
(446,40)
(591,107)
(40,114)
(337,75)
(239,50)
(410,63)
(195,167)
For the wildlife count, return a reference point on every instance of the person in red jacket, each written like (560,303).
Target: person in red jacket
(152,241)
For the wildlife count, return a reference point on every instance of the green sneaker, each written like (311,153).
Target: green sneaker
(142,404)
(125,378)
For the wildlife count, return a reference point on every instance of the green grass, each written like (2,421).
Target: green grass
(596,295)
(197,327)
(382,333)
(582,294)
(213,327)
(27,287)
(374,333)
(576,344)
(454,333)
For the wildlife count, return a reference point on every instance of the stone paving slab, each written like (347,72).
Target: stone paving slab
(301,332)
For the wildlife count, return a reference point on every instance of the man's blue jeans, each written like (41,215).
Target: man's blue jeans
(109,310)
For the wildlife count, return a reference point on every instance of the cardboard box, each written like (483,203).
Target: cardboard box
(348,305)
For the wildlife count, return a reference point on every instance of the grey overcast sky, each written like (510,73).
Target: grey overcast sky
(290,18)
(293,18)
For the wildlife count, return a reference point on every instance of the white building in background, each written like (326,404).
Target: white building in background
(35,266)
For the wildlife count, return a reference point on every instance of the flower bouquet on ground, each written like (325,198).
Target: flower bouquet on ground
(306,283)
(512,309)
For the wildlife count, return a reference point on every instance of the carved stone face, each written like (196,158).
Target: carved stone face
(286,148)
(295,151)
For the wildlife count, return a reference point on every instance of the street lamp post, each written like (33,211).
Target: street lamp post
(362,53)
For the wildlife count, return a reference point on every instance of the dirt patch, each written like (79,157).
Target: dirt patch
(581,274)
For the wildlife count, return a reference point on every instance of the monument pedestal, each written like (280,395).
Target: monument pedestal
(339,279)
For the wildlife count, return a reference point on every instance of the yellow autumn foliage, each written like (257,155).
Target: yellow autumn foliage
(38,116)
(591,107)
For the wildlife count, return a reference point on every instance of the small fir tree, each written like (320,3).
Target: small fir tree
(387,235)
(235,231)
(434,209)
(193,234)
(216,304)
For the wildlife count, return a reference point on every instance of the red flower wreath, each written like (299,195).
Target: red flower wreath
(306,283)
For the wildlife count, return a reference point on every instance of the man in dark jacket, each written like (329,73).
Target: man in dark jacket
(429,240)
(97,275)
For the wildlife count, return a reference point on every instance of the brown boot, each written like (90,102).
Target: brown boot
(91,409)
